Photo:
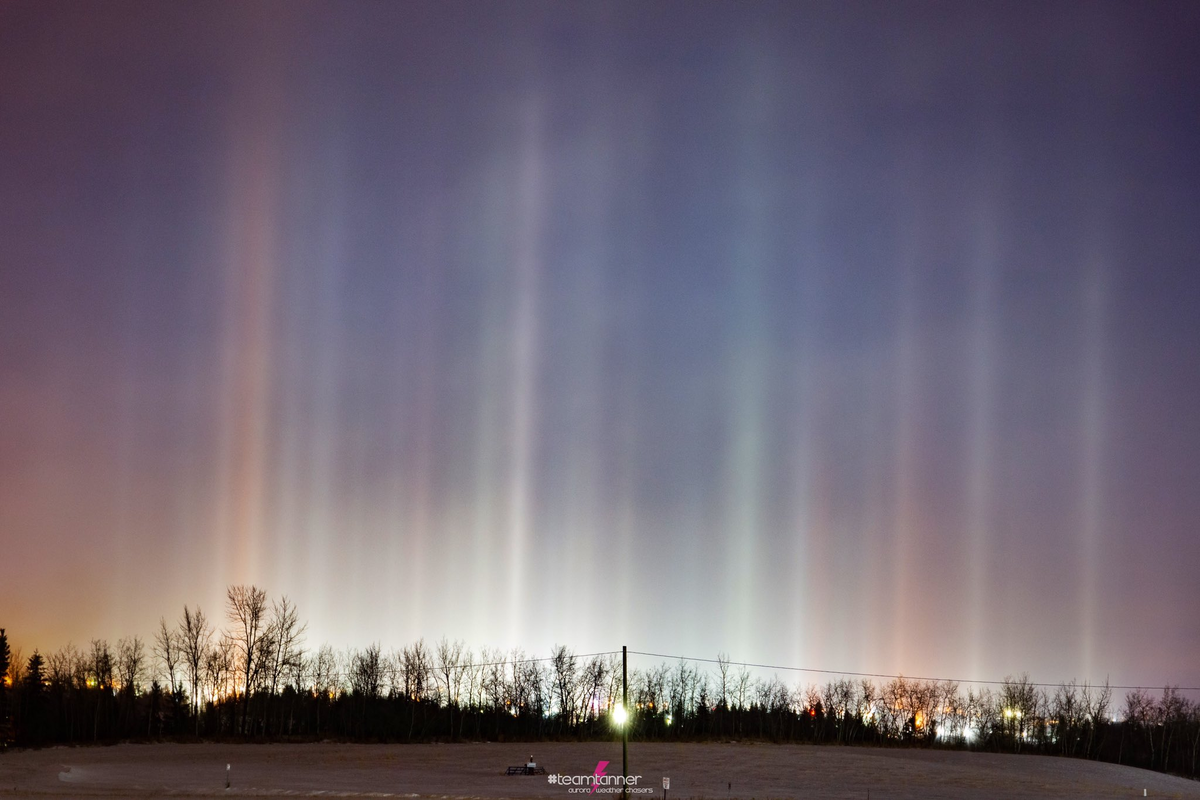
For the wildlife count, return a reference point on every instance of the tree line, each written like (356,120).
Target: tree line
(256,679)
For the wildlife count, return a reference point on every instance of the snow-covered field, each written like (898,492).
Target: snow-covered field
(477,770)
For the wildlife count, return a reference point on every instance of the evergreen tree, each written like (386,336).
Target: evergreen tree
(35,679)
(33,689)
(5,655)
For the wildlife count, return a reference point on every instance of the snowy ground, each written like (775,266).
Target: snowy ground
(716,771)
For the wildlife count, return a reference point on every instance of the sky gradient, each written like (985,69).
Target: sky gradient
(851,336)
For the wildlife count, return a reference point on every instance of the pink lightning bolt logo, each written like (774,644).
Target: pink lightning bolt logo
(597,775)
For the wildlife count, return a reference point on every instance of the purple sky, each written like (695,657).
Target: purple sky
(852,336)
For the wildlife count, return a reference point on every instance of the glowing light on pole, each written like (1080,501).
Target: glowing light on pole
(624,727)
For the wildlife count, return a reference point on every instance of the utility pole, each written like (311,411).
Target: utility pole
(625,727)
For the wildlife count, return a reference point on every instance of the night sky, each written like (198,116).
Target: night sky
(858,336)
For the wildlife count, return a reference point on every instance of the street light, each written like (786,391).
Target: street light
(624,728)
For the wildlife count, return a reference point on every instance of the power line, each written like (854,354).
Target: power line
(883,675)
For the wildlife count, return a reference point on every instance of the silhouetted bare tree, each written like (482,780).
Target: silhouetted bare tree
(193,639)
(247,609)
(282,649)
(166,650)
